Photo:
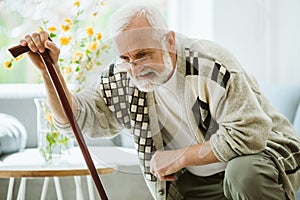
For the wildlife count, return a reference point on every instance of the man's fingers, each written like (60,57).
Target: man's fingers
(30,43)
(52,47)
(166,178)
(47,41)
(38,42)
(44,36)
(170,178)
(162,175)
(23,42)
(53,50)
(36,37)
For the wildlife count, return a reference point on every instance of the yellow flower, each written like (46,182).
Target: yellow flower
(52,29)
(65,28)
(69,21)
(95,14)
(49,117)
(76,3)
(102,3)
(68,70)
(99,36)
(20,57)
(78,55)
(65,40)
(7,64)
(93,46)
(90,31)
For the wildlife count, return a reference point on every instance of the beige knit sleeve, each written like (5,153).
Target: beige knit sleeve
(243,125)
(93,116)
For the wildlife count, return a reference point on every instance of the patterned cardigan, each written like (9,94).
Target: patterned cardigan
(224,106)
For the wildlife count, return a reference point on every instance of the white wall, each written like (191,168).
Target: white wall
(263,34)
(288,49)
(193,18)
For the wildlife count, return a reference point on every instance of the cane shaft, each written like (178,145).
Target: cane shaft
(18,50)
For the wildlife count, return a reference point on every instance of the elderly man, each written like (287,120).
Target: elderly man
(202,127)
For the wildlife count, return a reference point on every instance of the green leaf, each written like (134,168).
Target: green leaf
(76,21)
(55,134)
(52,35)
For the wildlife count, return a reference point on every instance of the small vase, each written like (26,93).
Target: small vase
(52,145)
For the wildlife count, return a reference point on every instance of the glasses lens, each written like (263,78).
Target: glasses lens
(121,65)
(125,66)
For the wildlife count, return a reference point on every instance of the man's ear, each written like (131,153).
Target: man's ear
(170,40)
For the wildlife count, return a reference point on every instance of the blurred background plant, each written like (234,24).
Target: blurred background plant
(79,28)
(82,47)
(77,36)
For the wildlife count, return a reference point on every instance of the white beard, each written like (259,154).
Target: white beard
(149,85)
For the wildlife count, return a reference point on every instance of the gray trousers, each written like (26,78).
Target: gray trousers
(247,177)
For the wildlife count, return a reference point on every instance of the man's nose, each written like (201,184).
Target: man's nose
(135,69)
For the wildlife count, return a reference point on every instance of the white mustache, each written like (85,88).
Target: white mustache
(146,71)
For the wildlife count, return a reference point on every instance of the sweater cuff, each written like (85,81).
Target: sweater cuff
(221,148)
(60,126)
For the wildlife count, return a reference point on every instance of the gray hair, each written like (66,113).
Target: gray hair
(121,19)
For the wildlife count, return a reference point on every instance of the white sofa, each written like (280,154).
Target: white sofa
(17,100)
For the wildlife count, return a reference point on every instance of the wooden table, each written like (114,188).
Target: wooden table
(28,163)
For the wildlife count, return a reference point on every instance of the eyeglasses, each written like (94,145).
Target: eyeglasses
(122,65)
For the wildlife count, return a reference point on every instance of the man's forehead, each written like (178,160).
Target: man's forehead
(137,39)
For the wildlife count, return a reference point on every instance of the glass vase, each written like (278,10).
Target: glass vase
(52,145)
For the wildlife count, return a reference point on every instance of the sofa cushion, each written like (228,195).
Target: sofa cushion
(297,120)
(13,135)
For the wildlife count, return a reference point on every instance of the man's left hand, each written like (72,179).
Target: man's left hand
(165,163)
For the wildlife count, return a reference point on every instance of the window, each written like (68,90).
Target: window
(18,18)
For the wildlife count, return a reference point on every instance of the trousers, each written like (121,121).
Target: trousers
(250,177)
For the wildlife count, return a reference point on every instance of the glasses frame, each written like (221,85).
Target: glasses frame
(122,65)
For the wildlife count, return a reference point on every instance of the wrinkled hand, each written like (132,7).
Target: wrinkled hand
(165,163)
(38,42)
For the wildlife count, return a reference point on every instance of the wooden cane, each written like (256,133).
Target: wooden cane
(18,50)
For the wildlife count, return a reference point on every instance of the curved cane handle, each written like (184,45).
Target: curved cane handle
(18,50)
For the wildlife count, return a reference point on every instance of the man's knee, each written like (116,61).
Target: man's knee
(252,177)
(243,172)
